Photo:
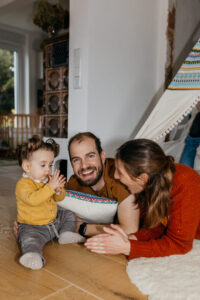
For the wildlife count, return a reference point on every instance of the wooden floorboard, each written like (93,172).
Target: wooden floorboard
(71,271)
(17,282)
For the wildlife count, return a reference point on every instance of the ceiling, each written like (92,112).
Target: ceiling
(19,13)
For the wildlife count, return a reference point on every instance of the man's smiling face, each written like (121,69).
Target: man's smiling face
(86,162)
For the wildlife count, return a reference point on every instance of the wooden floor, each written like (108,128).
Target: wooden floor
(71,271)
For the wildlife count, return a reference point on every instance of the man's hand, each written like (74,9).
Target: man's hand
(15,229)
(79,222)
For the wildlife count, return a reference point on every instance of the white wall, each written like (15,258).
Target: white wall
(79,38)
(187,30)
(123,57)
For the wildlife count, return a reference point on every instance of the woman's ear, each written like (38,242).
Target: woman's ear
(144,177)
(26,166)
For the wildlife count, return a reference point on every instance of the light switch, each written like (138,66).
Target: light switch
(77,68)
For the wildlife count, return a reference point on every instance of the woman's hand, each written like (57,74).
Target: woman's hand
(113,241)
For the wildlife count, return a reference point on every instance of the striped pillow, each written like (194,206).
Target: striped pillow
(90,208)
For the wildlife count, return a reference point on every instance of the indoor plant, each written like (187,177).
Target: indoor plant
(51,17)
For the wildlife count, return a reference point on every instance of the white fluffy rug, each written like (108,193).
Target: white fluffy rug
(175,277)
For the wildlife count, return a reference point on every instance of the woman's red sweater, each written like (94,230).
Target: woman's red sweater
(184,220)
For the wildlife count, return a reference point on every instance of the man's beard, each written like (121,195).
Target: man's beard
(93,181)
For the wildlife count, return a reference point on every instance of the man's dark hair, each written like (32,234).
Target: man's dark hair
(81,135)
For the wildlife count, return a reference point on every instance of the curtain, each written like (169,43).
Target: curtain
(177,101)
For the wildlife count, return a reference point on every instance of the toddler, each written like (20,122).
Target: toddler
(39,218)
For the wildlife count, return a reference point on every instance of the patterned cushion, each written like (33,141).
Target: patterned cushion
(90,208)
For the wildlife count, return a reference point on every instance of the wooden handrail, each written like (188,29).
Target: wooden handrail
(17,128)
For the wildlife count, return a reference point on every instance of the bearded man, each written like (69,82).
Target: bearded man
(94,174)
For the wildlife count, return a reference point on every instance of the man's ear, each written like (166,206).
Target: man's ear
(103,156)
(26,166)
(144,177)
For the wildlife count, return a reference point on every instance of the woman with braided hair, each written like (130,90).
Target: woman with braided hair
(168,197)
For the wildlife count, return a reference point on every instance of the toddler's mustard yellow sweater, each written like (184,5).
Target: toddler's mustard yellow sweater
(36,202)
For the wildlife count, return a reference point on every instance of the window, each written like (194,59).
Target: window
(7,95)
